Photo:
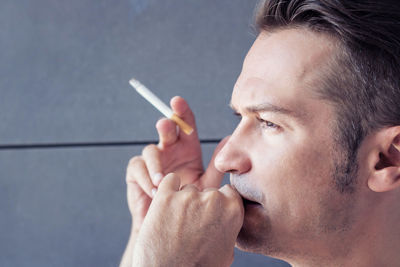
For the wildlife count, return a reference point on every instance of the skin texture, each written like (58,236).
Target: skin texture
(194,218)
(283,158)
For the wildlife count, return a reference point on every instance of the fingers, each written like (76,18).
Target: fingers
(167,132)
(229,192)
(137,171)
(152,159)
(138,202)
(235,198)
(167,129)
(182,109)
(171,182)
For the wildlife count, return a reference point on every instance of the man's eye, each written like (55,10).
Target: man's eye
(264,123)
(268,124)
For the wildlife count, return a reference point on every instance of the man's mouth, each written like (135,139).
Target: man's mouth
(247,202)
(249,195)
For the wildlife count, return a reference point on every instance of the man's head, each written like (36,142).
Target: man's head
(318,99)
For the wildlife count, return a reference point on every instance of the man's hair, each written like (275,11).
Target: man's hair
(364,82)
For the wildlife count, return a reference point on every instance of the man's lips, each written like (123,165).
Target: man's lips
(246,190)
(246,199)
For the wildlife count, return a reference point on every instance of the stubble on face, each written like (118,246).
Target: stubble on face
(332,220)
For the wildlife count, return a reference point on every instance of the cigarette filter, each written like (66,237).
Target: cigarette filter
(161,106)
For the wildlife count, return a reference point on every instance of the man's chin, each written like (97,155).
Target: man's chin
(255,232)
(249,243)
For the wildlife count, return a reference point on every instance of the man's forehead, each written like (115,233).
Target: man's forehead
(290,56)
(283,67)
(250,91)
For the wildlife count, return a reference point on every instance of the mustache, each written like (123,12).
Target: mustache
(247,190)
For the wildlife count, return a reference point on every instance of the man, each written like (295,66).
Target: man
(314,161)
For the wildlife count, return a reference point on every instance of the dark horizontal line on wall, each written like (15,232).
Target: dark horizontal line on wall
(90,144)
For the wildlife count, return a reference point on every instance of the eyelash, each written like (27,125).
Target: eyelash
(268,124)
(264,124)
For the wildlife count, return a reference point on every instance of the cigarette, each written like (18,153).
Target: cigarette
(161,106)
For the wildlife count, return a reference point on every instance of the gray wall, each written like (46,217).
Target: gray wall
(65,103)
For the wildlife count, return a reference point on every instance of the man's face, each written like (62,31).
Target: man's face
(282,155)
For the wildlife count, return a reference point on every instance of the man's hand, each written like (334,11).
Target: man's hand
(176,152)
(189,227)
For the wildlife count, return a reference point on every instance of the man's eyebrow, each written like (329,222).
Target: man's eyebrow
(269,107)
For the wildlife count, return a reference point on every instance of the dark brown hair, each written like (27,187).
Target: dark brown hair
(364,84)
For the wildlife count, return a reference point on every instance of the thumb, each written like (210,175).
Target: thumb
(169,183)
(213,177)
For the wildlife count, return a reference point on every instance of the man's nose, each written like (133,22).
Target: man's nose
(233,157)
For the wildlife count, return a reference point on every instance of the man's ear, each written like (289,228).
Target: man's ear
(386,173)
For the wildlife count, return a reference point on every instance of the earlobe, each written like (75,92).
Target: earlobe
(385,179)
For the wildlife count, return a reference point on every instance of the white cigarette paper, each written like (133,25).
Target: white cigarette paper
(161,106)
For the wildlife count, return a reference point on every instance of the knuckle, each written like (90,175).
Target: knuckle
(188,200)
(134,161)
(133,165)
(164,198)
(170,175)
(188,195)
(189,187)
(148,149)
(213,201)
(213,195)
(130,169)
